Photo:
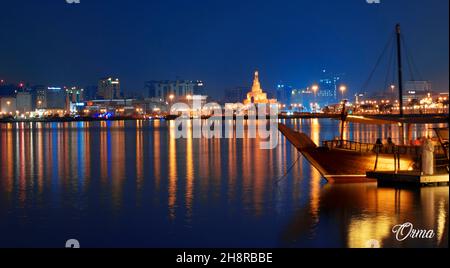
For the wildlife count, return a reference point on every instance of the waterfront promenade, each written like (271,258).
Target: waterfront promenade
(411,118)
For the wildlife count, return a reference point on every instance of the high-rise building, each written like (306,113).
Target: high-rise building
(328,88)
(109,88)
(75,94)
(284,93)
(56,98)
(40,97)
(74,98)
(24,102)
(178,89)
(199,88)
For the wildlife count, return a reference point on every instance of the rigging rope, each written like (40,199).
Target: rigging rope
(365,85)
(391,64)
(411,63)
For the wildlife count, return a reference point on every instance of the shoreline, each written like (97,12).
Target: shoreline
(166,118)
(413,118)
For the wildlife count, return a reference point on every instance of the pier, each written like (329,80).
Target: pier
(407,178)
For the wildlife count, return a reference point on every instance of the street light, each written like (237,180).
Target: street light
(343,88)
(393,91)
(171,98)
(315,89)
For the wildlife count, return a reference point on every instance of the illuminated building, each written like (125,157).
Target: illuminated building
(359,97)
(304,98)
(75,94)
(416,90)
(284,93)
(8,106)
(257,95)
(109,88)
(199,88)
(74,99)
(56,98)
(123,107)
(328,88)
(24,102)
(40,97)
(178,89)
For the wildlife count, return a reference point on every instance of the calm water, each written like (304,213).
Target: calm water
(129,184)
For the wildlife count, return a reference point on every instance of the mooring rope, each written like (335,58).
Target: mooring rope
(288,170)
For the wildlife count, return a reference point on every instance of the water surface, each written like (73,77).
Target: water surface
(131,184)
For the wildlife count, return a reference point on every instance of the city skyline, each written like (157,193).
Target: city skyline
(224,132)
(295,45)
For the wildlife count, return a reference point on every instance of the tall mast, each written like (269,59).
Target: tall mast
(400,70)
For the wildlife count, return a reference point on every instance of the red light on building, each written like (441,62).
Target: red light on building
(21,85)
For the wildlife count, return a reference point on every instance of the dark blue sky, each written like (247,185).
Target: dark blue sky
(221,42)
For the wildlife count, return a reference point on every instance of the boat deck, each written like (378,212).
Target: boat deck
(408,178)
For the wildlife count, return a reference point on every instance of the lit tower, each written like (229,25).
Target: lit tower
(257,96)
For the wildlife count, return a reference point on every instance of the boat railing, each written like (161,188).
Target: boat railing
(398,152)
(370,147)
(349,145)
(378,148)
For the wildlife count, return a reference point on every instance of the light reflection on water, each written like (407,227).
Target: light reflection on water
(132,184)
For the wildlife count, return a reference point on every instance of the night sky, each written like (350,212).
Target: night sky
(221,42)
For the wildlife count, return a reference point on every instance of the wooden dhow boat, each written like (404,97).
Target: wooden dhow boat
(349,161)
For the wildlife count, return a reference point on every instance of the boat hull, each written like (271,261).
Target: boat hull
(349,166)
(340,165)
